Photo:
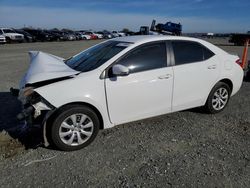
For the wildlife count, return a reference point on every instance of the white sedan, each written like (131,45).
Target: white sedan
(2,39)
(85,37)
(123,80)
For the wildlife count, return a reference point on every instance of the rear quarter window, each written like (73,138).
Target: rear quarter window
(207,53)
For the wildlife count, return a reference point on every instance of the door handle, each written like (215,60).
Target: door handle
(212,67)
(165,76)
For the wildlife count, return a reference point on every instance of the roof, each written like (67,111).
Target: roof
(150,38)
(6,28)
(140,39)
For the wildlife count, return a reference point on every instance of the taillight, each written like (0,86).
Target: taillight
(239,62)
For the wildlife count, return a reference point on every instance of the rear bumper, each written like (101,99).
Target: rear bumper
(237,80)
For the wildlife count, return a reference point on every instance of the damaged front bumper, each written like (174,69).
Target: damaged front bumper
(35,107)
(36,110)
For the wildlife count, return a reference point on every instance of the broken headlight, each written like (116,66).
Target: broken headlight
(28,95)
(27,91)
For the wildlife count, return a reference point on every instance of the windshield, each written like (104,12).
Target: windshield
(96,56)
(8,31)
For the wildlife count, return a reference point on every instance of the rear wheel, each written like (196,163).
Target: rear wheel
(75,127)
(218,98)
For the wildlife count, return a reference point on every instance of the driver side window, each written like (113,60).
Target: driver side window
(147,57)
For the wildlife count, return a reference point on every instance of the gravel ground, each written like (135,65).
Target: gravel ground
(183,149)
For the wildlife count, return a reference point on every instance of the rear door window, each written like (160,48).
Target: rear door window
(190,52)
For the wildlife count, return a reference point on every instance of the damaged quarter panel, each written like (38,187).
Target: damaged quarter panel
(84,88)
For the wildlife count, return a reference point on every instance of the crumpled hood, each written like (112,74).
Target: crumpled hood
(44,66)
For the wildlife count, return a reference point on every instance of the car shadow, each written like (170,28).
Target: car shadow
(30,137)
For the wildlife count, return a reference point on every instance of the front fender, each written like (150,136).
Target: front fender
(80,89)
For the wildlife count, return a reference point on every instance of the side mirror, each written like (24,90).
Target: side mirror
(120,70)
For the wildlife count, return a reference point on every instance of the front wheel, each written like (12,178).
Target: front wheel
(8,40)
(218,98)
(75,127)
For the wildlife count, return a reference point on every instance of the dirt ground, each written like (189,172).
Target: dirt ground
(183,149)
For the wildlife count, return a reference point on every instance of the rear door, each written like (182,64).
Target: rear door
(146,91)
(196,70)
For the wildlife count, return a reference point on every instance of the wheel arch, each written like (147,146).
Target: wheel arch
(228,82)
(8,39)
(224,80)
(98,113)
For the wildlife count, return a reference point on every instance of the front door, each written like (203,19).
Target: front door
(146,91)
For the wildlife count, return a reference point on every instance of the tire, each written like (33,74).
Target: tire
(69,136)
(8,40)
(218,98)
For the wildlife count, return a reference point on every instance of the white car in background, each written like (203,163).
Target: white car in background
(118,34)
(85,37)
(100,36)
(123,80)
(10,35)
(2,39)
(93,35)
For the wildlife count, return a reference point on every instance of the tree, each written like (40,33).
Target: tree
(125,30)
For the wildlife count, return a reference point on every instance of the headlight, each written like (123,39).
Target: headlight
(25,93)
(28,91)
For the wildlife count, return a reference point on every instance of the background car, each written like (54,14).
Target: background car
(11,36)
(118,34)
(54,36)
(69,36)
(106,34)
(2,39)
(59,34)
(83,36)
(27,36)
(99,35)
(39,35)
(78,35)
(91,34)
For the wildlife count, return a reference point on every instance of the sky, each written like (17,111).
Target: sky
(218,16)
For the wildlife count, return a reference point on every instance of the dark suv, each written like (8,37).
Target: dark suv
(39,35)
(27,36)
